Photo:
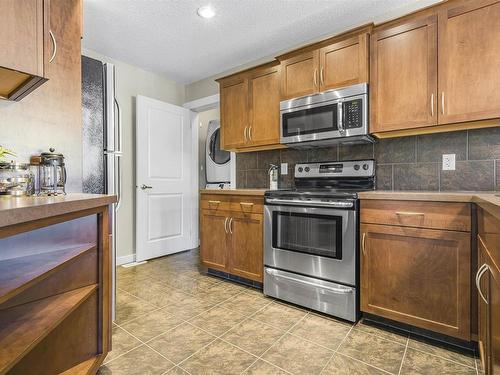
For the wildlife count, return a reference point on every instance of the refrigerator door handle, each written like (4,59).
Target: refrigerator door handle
(118,181)
(119,128)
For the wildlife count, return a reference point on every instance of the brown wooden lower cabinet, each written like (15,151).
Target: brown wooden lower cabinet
(417,276)
(231,241)
(488,284)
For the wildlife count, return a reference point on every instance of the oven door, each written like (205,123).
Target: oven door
(317,242)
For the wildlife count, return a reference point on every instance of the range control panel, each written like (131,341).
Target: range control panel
(357,168)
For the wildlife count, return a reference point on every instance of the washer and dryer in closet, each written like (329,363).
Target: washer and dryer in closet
(218,162)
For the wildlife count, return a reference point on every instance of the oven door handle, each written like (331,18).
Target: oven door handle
(292,202)
(328,288)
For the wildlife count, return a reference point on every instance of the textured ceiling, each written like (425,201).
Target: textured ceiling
(167,37)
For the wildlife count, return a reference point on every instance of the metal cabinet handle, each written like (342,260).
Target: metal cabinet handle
(54,44)
(400,213)
(321,76)
(246,204)
(245,134)
(250,133)
(432,105)
(442,103)
(363,244)
(480,272)
(231,225)
(214,202)
(144,187)
(315,77)
(225,224)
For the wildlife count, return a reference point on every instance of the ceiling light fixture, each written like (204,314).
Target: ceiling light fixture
(206,11)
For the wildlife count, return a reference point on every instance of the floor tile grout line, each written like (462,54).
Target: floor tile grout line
(404,355)
(365,363)
(336,350)
(439,356)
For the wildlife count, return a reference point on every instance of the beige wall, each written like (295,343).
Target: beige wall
(203,120)
(130,82)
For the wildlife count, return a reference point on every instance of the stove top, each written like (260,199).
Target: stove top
(342,180)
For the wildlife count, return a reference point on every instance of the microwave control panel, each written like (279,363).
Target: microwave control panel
(353,114)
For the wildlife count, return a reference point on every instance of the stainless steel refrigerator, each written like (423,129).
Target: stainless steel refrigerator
(102,141)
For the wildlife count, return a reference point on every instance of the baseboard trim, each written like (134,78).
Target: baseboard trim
(125,259)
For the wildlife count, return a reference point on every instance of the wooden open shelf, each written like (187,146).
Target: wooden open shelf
(23,327)
(18,274)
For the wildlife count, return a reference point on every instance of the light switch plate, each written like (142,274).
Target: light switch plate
(448,162)
(284,168)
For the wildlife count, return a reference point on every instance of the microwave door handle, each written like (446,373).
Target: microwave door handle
(340,122)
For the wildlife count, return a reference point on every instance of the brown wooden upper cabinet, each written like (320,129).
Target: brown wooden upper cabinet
(339,64)
(29,49)
(436,68)
(250,109)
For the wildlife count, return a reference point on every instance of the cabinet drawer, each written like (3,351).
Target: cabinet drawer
(433,215)
(235,203)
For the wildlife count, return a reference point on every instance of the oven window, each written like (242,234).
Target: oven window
(306,233)
(309,121)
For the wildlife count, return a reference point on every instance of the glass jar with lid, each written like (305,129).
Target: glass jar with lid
(52,173)
(16,179)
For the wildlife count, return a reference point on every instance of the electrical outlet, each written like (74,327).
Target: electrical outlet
(448,162)
(284,169)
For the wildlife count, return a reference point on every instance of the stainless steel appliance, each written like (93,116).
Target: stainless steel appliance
(102,140)
(334,116)
(16,179)
(311,237)
(51,173)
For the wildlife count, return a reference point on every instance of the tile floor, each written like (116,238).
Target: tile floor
(172,319)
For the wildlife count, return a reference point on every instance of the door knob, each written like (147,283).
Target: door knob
(144,187)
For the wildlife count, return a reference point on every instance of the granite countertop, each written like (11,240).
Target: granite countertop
(435,196)
(16,210)
(258,192)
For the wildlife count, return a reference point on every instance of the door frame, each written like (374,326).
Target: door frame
(196,106)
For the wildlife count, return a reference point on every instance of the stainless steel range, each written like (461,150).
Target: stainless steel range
(311,237)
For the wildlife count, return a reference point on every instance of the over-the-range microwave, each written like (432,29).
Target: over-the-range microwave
(334,116)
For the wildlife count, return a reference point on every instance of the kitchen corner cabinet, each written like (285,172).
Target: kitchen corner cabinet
(250,109)
(439,67)
(488,284)
(231,235)
(415,264)
(339,64)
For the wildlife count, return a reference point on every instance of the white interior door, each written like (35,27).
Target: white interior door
(166,194)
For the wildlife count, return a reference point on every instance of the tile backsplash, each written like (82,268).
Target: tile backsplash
(408,163)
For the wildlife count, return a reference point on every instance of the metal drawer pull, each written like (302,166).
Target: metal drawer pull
(432,105)
(480,272)
(331,289)
(231,225)
(214,202)
(225,224)
(246,204)
(54,43)
(363,244)
(442,103)
(410,214)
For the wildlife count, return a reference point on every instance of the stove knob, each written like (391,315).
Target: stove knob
(300,169)
(307,169)
(356,167)
(365,167)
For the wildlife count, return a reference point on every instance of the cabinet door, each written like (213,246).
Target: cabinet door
(469,57)
(21,45)
(493,299)
(246,246)
(214,240)
(234,113)
(417,276)
(483,321)
(300,75)
(403,76)
(344,63)
(264,107)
